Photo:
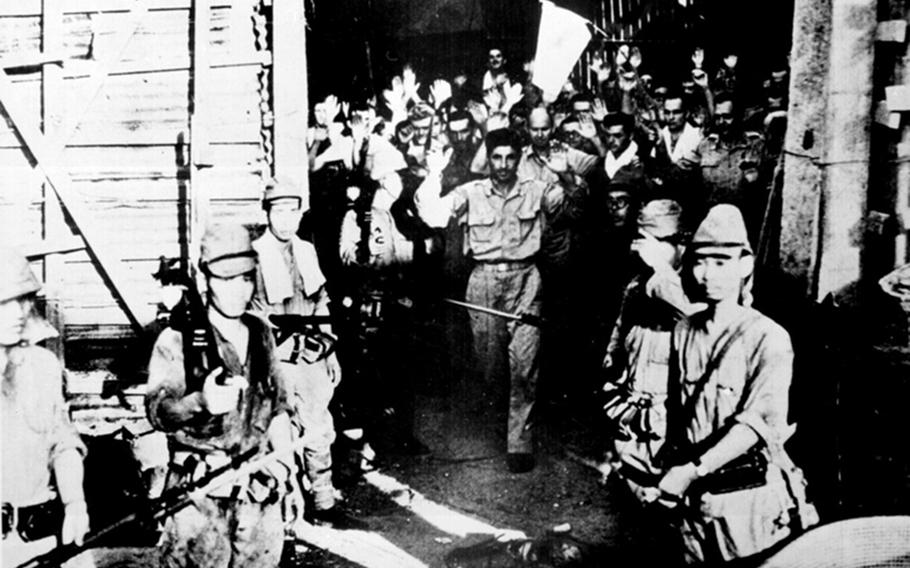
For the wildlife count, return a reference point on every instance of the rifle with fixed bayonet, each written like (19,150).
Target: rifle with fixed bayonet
(163,507)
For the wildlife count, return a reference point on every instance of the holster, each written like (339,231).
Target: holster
(745,472)
(34,522)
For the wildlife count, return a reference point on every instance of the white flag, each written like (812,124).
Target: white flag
(563,36)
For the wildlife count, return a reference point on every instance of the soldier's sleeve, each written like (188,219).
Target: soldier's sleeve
(765,398)
(63,435)
(666,286)
(167,404)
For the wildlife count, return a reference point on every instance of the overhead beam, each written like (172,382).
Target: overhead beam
(290,92)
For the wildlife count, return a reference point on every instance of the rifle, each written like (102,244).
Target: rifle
(190,318)
(529,319)
(310,343)
(158,509)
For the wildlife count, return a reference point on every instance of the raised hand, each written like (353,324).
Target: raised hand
(396,100)
(600,68)
(513,94)
(440,92)
(438,159)
(331,108)
(479,112)
(558,159)
(635,58)
(598,109)
(586,126)
(698,57)
(622,56)
(410,84)
(493,99)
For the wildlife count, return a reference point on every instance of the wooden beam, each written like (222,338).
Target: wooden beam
(109,265)
(32,59)
(200,125)
(20,8)
(290,92)
(54,102)
(51,248)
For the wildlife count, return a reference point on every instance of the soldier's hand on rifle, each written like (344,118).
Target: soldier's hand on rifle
(75,523)
(334,369)
(221,399)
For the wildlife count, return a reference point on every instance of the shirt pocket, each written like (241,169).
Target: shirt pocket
(482,225)
(529,222)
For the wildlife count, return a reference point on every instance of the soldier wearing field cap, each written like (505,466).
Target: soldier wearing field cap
(637,358)
(43,501)
(290,282)
(726,466)
(240,405)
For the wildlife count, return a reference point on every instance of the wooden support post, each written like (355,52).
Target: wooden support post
(902,178)
(290,92)
(848,123)
(53,111)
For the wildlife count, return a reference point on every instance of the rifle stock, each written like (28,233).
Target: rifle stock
(169,503)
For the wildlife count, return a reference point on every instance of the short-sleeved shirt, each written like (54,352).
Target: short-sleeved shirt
(497,227)
(36,425)
(238,430)
(722,164)
(751,383)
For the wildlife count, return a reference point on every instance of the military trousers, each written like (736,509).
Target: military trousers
(513,288)
(310,390)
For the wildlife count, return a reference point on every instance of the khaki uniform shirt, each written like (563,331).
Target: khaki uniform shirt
(498,227)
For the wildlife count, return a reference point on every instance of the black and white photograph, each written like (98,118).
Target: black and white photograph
(455,283)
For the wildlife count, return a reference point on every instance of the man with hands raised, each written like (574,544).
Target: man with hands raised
(239,524)
(503,217)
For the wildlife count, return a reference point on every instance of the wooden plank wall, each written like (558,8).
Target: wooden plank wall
(128,156)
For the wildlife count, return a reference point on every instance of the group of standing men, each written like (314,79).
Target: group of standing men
(525,203)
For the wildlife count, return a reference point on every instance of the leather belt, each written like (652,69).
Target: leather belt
(32,522)
(504,265)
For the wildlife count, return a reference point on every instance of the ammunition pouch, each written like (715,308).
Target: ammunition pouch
(34,522)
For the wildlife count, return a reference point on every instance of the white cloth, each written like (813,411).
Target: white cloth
(279,285)
(612,163)
(562,38)
(686,144)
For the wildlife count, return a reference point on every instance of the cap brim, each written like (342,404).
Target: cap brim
(719,249)
(231,267)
